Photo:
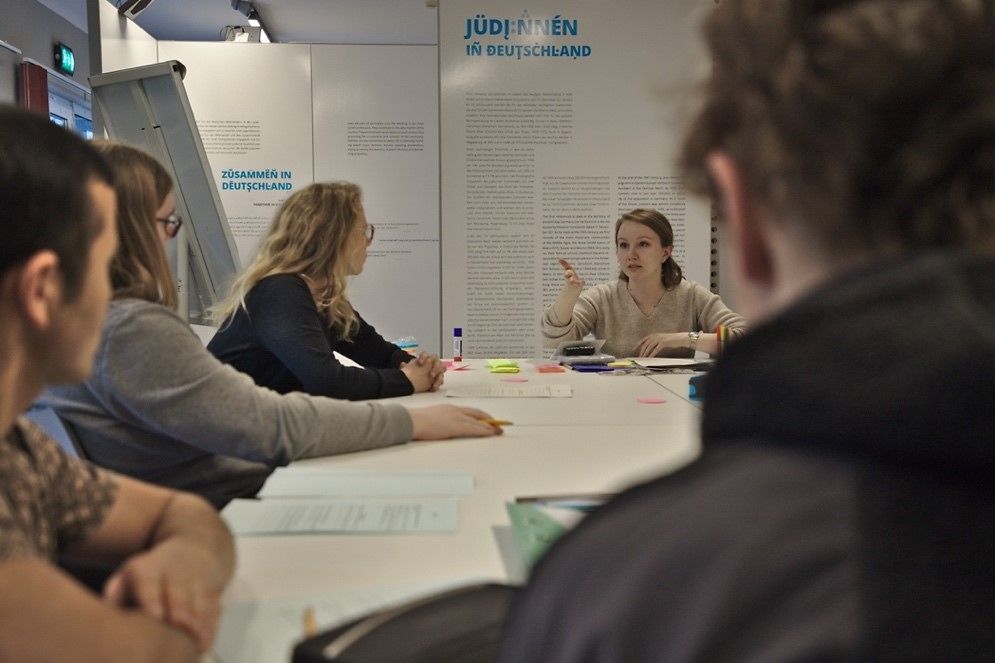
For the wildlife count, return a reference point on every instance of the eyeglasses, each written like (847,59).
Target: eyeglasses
(172,224)
(368,232)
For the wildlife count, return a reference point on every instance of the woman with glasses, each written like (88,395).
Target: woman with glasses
(159,407)
(288,313)
(170,224)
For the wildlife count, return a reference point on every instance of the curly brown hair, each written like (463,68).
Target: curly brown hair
(870,122)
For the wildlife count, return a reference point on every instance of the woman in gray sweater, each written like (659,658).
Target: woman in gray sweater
(159,407)
(651,310)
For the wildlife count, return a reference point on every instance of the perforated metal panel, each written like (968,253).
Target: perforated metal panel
(148,107)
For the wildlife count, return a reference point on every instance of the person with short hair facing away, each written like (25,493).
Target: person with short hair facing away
(843,505)
(160,407)
(173,556)
(288,313)
(651,310)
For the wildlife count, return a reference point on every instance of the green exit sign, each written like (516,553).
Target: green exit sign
(65,61)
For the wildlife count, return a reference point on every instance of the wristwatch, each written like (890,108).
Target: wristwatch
(693,335)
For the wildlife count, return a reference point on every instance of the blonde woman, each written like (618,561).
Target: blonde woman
(288,312)
(159,407)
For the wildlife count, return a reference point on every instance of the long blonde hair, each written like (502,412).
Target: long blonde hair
(308,237)
(140,268)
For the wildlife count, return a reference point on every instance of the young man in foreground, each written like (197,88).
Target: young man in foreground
(843,507)
(172,554)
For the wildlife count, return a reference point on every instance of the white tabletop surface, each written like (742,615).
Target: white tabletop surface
(601,439)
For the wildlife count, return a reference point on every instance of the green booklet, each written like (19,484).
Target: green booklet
(539,522)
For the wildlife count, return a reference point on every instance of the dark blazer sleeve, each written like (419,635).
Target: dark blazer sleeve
(286,322)
(370,349)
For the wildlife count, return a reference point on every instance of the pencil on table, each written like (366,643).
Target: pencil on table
(310,626)
(497,422)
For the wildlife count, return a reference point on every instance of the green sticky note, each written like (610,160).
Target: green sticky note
(534,530)
(500,363)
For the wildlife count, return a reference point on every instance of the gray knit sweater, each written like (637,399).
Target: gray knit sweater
(161,408)
(608,311)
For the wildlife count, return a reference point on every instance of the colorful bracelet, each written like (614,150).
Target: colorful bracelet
(722,336)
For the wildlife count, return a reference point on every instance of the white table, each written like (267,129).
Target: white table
(600,440)
(675,383)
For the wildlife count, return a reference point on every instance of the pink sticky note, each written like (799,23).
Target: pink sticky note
(651,400)
(514,379)
(455,367)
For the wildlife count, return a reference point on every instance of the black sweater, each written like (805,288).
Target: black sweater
(282,341)
(843,507)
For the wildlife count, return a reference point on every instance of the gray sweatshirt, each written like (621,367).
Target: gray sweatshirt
(609,312)
(159,407)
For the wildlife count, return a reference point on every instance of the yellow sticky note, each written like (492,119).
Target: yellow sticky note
(504,369)
(497,363)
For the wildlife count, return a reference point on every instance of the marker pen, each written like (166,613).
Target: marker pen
(457,344)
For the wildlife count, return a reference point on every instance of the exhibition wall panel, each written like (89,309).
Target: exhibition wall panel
(252,104)
(555,120)
(376,123)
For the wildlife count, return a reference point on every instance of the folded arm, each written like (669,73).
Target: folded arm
(162,602)
(175,555)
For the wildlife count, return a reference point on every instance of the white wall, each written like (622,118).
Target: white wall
(626,104)
(34,28)
(115,42)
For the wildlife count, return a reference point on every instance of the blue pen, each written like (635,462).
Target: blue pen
(591,368)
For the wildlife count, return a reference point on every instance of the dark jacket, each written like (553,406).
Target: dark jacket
(843,506)
(281,340)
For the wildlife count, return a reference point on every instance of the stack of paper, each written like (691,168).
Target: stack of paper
(306,482)
(312,501)
(368,516)
(512,391)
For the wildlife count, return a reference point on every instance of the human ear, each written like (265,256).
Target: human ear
(748,236)
(39,288)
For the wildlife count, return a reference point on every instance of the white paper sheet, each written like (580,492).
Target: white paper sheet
(656,362)
(512,391)
(369,516)
(306,482)
(266,631)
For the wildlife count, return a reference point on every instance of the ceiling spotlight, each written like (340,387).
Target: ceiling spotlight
(132,8)
(241,33)
(243,7)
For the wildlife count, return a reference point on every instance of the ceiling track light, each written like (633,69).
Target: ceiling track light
(245,8)
(132,8)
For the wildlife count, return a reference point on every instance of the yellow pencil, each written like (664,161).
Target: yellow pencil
(497,422)
(310,626)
